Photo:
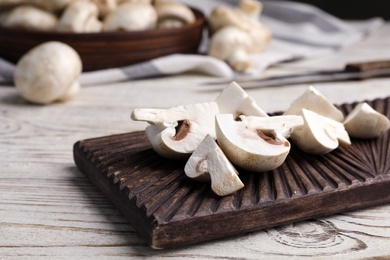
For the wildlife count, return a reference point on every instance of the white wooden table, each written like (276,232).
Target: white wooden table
(48,208)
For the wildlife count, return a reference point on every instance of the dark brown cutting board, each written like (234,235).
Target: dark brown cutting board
(170,210)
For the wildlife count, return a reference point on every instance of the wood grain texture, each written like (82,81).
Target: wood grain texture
(169,210)
(50,210)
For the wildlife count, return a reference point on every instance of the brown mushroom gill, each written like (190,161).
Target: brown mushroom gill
(182,129)
(271,139)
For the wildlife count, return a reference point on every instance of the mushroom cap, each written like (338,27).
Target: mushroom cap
(311,99)
(174,10)
(234,100)
(50,5)
(226,40)
(319,134)
(365,122)
(131,17)
(249,148)
(223,16)
(105,6)
(46,72)
(80,16)
(30,18)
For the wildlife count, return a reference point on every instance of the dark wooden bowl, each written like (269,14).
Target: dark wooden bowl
(109,49)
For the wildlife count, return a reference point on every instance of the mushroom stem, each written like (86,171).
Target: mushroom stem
(208,162)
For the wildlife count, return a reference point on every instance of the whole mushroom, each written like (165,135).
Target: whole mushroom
(27,17)
(79,17)
(48,73)
(237,33)
(173,14)
(131,16)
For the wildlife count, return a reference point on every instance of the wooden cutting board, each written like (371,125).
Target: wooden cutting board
(170,210)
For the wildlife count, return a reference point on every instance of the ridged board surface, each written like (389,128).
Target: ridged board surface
(171,210)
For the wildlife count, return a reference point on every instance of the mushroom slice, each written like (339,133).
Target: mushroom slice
(79,17)
(365,122)
(30,18)
(234,100)
(131,16)
(249,147)
(319,134)
(176,132)
(208,162)
(313,100)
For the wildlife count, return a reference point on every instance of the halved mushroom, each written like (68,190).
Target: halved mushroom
(319,134)
(313,100)
(208,162)
(366,122)
(47,73)
(176,132)
(131,16)
(30,18)
(250,148)
(234,100)
(79,17)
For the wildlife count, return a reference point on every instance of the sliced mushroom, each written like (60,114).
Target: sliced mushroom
(208,162)
(176,132)
(173,14)
(30,18)
(79,17)
(319,134)
(234,100)
(313,100)
(248,147)
(366,122)
(131,16)
(48,73)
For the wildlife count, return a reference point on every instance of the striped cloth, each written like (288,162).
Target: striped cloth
(299,31)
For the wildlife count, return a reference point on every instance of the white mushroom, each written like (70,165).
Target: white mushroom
(234,100)
(231,44)
(105,6)
(313,100)
(366,122)
(236,33)
(319,134)
(176,132)
(173,14)
(208,162)
(31,18)
(49,5)
(131,17)
(48,73)
(249,147)
(79,17)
